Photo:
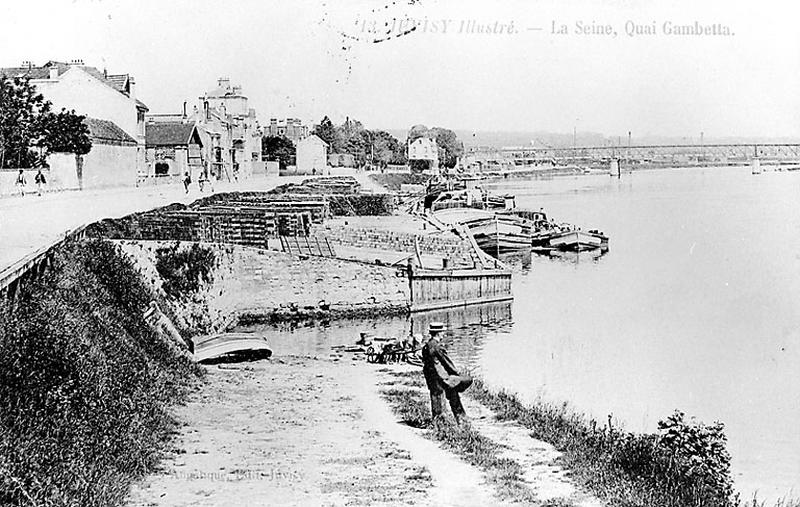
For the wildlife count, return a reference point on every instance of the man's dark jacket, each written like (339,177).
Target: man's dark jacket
(438,367)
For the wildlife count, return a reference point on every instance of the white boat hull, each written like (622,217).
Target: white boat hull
(492,232)
(576,240)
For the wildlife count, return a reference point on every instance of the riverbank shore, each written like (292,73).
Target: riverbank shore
(315,431)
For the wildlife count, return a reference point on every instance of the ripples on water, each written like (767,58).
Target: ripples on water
(696,306)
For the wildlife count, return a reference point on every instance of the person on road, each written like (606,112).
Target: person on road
(442,377)
(21,182)
(40,181)
(187,180)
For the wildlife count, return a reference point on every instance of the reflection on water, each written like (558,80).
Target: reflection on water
(467,328)
(695,306)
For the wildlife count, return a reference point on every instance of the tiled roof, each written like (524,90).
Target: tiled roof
(313,139)
(118,82)
(107,132)
(42,72)
(170,134)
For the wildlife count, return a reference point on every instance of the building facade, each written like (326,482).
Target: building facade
(312,156)
(112,161)
(174,149)
(290,128)
(92,93)
(233,131)
(426,150)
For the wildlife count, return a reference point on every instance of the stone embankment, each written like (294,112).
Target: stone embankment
(252,285)
(458,252)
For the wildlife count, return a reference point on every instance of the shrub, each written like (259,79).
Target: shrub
(185,271)
(85,384)
(685,465)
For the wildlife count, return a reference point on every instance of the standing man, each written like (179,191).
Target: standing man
(187,180)
(40,181)
(442,376)
(21,182)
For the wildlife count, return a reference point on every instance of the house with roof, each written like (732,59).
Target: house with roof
(174,148)
(290,128)
(90,92)
(424,149)
(312,156)
(234,132)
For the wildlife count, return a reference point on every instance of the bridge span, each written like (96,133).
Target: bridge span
(667,154)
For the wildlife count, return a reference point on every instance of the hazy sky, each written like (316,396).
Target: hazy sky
(307,58)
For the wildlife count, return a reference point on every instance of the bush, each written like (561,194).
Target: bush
(185,271)
(685,465)
(85,384)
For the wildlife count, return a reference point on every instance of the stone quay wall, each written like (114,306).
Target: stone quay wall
(459,251)
(253,285)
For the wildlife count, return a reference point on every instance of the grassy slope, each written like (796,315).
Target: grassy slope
(85,385)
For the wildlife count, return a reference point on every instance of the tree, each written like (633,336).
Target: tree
(416,132)
(21,112)
(280,149)
(326,131)
(65,132)
(450,148)
(386,148)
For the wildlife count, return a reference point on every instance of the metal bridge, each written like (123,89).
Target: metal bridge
(675,153)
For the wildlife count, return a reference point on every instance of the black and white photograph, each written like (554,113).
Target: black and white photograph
(452,253)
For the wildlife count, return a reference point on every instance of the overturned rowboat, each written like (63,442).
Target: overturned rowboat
(232,347)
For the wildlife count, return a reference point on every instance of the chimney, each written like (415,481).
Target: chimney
(131,87)
(206,111)
(184,109)
(237,90)
(27,65)
(54,72)
(224,82)
(77,61)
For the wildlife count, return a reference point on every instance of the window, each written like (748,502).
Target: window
(162,168)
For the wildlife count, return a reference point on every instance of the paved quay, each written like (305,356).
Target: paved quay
(31,222)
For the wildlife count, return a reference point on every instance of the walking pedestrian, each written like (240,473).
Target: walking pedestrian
(40,181)
(442,377)
(187,180)
(21,182)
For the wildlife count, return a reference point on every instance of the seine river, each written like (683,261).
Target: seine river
(695,307)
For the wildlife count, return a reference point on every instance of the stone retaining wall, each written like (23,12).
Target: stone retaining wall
(459,252)
(259,285)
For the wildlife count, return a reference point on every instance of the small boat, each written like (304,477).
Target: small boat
(232,347)
(569,239)
(471,198)
(493,232)
(577,240)
(502,233)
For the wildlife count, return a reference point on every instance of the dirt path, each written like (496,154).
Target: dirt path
(307,432)
(282,433)
(548,479)
(543,474)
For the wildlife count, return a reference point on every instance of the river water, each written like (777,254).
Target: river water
(695,307)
